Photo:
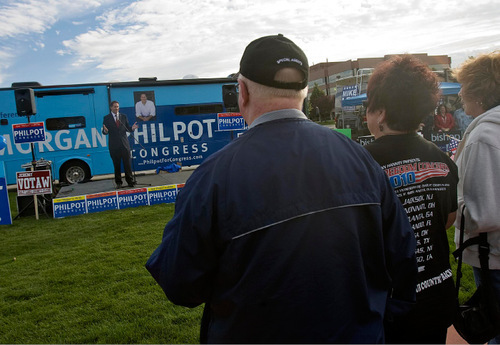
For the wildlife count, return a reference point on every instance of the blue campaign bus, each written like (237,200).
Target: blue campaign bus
(191,121)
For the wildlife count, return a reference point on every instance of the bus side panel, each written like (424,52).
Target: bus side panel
(72,130)
(73,121)
(178,133)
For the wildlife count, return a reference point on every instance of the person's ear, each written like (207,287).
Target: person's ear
(381,115)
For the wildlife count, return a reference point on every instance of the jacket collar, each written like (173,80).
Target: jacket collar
(278,115)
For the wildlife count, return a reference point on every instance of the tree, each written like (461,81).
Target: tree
(324,104)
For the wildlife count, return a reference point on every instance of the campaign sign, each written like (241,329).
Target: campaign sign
(34,182)
(366,139)
(348,92)
(345,131)
(230,121)
(442,139)
(162,194)
(179,187)
(71,206)
(102,202)
(5,215)
(132,198)
(28,132)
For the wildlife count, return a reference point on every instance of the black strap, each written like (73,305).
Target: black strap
(484,251)
(470,242)
(458,253)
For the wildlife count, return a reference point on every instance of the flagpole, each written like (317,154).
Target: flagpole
(449,136)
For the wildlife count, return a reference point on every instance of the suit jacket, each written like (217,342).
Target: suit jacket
(117,134)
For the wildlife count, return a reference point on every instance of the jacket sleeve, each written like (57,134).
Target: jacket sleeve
(400,254)
(480,190)
(104,124)
(184,264)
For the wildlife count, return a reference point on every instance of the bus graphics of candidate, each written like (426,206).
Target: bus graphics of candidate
(185,128)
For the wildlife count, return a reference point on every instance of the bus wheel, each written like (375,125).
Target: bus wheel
(75,172)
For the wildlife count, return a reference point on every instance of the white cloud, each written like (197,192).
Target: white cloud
(36,16)
(207,38)
(170,39)
(23,20)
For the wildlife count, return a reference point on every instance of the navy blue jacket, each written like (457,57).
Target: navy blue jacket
(289,234)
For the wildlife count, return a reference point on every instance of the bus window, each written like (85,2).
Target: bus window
(199,109)
(70,122)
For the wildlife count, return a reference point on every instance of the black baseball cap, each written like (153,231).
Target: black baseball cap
(267,55)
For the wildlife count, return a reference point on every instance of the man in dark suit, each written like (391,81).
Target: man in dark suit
(116,125)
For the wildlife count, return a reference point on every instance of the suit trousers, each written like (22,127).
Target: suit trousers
(118,156)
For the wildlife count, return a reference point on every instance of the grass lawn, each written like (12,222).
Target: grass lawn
(82,280)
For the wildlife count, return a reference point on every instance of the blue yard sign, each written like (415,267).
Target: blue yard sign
(71,206)
(5,216)
(132,198)
(230,121)
(28,132)
(162,194)
(102,202)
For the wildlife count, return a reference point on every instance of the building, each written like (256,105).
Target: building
(332,77)
(350,78)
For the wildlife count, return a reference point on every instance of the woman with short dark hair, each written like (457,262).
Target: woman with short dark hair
(443,120)
(402,92)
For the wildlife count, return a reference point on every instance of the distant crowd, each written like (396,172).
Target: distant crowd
(444,121)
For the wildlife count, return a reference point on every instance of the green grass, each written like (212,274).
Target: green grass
(82,280)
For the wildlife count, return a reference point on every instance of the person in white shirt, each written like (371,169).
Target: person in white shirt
(145,109)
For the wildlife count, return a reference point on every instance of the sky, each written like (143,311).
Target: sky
(60,42)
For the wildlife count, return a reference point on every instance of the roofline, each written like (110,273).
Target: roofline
(147,82)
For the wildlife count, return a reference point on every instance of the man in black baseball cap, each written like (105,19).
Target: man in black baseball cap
(275,71)
(291,233)
(264,57)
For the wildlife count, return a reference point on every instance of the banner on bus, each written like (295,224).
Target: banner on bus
(230,122)
(34,182)
(28,132)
